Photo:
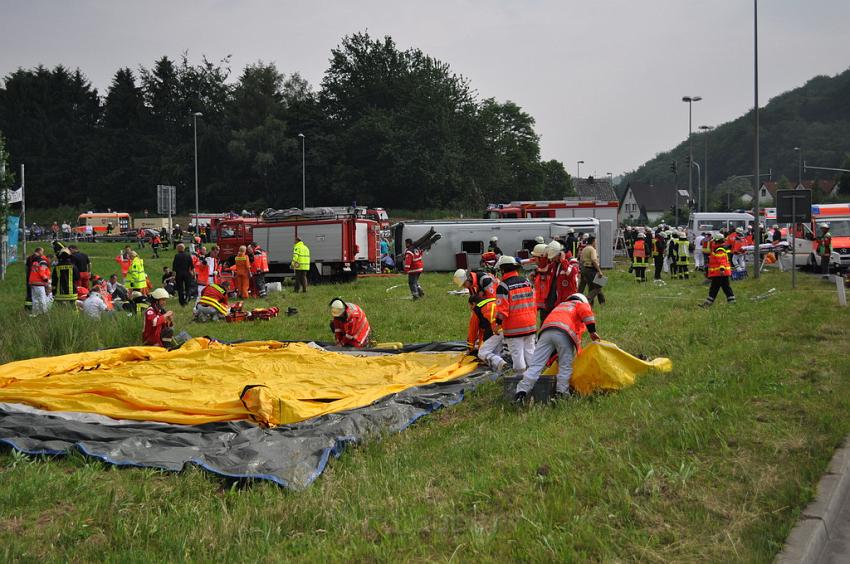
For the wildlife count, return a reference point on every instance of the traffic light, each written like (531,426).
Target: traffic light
(674,167)
(687,160)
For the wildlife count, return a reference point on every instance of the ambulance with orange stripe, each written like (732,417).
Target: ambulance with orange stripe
(837,216)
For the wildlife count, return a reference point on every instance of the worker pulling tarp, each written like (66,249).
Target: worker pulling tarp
(269,382)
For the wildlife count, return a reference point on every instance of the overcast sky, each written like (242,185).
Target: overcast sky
(603,78)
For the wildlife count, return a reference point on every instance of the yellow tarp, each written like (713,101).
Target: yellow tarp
(605,366)
(202,381)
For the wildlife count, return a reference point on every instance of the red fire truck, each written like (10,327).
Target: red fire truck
(341,244)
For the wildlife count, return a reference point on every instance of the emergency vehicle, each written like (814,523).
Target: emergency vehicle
(838,218)
(341,244)
(603,210)
(98,223)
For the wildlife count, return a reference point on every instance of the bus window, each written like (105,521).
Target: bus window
(472,247)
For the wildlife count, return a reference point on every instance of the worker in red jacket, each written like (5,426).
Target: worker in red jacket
(719,271)
(349,324)
(516,316)
(561,333)
(413,266)
(542,281)
(201,268)
(566,278)
(39,281)
(159,322)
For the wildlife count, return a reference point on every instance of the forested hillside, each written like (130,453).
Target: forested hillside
(815,117)
(386,127)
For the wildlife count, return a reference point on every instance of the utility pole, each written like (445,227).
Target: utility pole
(706,129)
(757,206)
(303,175)
(4,235)
(24,209)
(799,152)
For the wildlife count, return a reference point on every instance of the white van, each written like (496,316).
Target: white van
(713,222)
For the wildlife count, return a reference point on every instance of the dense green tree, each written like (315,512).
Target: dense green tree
(557,182)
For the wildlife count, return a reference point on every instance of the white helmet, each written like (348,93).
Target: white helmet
(494,239)
(824,225)
(506,259)
(553,249)
(739,230)
(570,230)
(459,276)
(337,307)
(539,239)
(578,298)
(160,294)
(539,250)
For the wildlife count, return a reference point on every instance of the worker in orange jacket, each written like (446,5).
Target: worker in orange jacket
(516,316)
(349,324)
(481,333)
(242,269)
(719,271)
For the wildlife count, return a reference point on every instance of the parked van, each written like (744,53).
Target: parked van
(713,222)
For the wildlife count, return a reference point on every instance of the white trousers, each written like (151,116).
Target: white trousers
(40,303)
(489,352)
(521,349)
(699,261)
(739,261)
(549,342)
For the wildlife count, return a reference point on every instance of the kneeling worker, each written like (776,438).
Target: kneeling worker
(561,333)
(482,331)
(212,305)
(159,323)
(349,325)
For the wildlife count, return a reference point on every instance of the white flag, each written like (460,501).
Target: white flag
(15,196)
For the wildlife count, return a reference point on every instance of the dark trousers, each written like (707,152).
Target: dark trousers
(659,266)
(413,284)
(260,283)
(593,290)
(824,265)
(720,283)
(183,281)
(301,280)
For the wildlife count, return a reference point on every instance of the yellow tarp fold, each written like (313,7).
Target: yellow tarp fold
(202,381)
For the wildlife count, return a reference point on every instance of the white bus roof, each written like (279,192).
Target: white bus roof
(723,215)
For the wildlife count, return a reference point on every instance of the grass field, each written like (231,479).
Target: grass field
(712,462)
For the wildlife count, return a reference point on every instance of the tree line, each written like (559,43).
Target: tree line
(386,127)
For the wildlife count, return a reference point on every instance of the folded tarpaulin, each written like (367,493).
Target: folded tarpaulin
(604,366)
(204,381)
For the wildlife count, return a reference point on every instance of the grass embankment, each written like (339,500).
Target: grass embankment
(711,462)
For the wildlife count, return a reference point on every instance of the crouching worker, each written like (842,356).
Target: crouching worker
(159,323)
(561,334)
(349,325)
(482,332)
(212,305)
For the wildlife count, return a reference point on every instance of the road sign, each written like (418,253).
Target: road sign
(793,206)
(166,200)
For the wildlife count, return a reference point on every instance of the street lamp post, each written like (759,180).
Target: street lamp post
(799,166)
(303,175)
(690,100)
(195,117)
(610,178)
(578,168)
(756,164)
(706,129)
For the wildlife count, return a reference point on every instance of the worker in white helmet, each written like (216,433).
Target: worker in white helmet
(515,313)
(493,247)
(349,324)
(476,282)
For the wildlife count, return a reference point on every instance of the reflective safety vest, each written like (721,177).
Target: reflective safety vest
(241,265)
(136,277)
(483,282)
(353,330)
(300,256)
(706,246)
(658,246)
(824,245)
(261,262)
(718,263)
(215,297)
(571,318)
(481,322)
(542,284)
(639,254)
(413,262)
(64,289)
(683,252)
(202,269)
(39,274)
(515,309)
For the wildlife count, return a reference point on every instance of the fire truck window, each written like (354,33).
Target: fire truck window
(228,233)
(472,247)
(512,215)
(543,213)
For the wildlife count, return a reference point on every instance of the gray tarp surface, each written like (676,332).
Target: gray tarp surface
(291,455)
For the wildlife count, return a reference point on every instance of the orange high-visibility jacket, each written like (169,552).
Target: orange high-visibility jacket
(125,264)
(481,322)
(261,262)
(39,273)
(718,262)
(352,330)
(515,310)
(241,266)
(543,282)
(483,282)
(639,249)
(566,280)
(571,318)
(202,269)
(413,262)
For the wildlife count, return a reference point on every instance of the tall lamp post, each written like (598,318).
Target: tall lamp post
(578,168)
(195,117)
(690,100)
(303,175)
(610,178)
(799,166)
(705,129)
(756,164)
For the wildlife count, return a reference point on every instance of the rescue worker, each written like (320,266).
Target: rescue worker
(137,280)
(123,259)
(658,246)
(476,282)
(201,270)
(65,278)
(137,305)
(735,244)
(571,243)
(682,254)
(159,323)
(212,304)
(639,254)
(824,249)
(672,251)
(83,264)
(115,289)
(38,279)
(182,266)
(413,266)
(349,324)
(589,260)
(27,268)
(515,313)
(719,271)
(561,334)
(698,256)
(260,266)
(300,264)
(93,305)
(176,235)
(493,247)
(542,281)
(481,333)
(156,243)
(242,269)
(704,250)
